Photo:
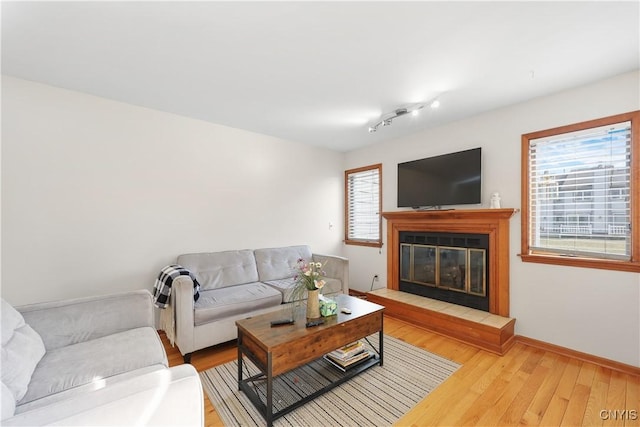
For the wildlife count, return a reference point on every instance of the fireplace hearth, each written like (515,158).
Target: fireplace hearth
(450,267)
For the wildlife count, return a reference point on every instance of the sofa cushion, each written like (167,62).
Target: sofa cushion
(221,269)
(70,321)
(164,397)
(22,349)
(85,389)
(285,287)
(91,361)
(280,263)
(225,302)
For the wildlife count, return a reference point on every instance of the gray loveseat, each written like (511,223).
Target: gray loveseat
(91,361)
(238,284)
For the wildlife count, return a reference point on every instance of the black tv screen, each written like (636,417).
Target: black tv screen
(449,179)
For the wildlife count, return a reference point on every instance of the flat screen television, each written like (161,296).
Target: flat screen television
(449,179)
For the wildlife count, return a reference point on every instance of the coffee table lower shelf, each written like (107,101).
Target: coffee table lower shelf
(325,376)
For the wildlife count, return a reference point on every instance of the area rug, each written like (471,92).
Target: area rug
(377,397)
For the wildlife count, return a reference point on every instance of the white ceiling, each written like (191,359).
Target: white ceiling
(319,72)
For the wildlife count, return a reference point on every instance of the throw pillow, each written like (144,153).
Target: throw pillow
(22,349)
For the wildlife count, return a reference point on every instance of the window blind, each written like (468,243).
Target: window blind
(363,205)
(579,189)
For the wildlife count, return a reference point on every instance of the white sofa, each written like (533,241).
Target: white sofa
(238,284)
(93,361)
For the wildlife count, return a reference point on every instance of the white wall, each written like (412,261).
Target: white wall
(98,196)
(589,310)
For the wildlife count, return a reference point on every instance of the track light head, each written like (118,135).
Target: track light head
(387,119)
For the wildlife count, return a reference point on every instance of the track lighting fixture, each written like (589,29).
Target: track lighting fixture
(387,119)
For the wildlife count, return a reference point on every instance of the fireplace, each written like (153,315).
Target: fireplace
(461,241)
(450,267)
(464,253)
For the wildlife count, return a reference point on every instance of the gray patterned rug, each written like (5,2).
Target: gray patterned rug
(377,397)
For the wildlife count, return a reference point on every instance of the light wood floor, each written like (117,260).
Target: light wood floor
(526,386)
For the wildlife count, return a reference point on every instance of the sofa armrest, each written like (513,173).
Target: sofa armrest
(66,322)
(166,397)
(182,301)
(335,267)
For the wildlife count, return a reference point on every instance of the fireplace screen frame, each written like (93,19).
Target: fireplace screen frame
(472,273)
(470,286)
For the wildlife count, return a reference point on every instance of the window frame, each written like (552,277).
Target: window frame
(362,242)
(529,255)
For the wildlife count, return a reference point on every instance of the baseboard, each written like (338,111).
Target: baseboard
(585,357)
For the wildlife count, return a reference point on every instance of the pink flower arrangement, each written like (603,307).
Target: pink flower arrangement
(309,275)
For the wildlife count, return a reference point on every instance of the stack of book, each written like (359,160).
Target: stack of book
(349,356)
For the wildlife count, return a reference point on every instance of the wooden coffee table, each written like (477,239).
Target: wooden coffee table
(280,349)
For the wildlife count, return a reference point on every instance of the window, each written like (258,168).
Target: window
(363,205)
(581,194)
